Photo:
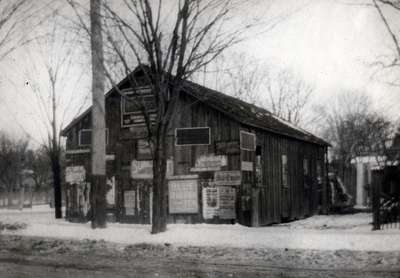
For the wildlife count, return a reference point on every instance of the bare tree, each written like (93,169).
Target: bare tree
(12,156)
(354,128)
(388,11)
(17,20)
(174,40)
(47,77)
(279,91)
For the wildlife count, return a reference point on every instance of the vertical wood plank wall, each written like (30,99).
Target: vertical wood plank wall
(274,204)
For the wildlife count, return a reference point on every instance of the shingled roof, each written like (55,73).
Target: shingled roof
(241,111)
(249,114)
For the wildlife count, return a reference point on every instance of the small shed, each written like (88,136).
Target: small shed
(228,161)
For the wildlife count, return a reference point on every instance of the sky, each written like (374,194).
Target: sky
(330,44)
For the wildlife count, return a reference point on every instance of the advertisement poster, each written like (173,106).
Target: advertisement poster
(183,196)
(130,202)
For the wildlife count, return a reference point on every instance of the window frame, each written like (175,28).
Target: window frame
(89,129)
(131,91)
(285,171)
(254,138)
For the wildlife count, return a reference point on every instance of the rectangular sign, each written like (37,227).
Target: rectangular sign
(247,166)
(210,202)
(192,136)
(219,202)
(183,196)
(227,178)
(130,202)
(110,197)
(75,174)
(227,199)
(227,147)
(143,169)
(210,162)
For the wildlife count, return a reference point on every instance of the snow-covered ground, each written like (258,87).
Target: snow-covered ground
(334,232)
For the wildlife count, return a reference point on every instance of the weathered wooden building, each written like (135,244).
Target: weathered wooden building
(228,161)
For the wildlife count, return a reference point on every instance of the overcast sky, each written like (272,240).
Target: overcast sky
(329,44)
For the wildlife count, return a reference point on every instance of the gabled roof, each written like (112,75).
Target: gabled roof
(249,114)
(241,111)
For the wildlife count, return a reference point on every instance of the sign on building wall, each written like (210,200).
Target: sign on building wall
(210,162)
(227,147)
(247,166)
(82,198)
(110,197)
(227,178)
(227,198)
(183,196)
(143,148)
(219,201)
(210,202)
(143,169)
(130,202)
(75,174)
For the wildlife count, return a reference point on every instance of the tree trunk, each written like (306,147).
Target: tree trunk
(159,218)
(21,197)
(9,198)
(98,187)
(56,169)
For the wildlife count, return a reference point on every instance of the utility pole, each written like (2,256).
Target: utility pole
(98,186)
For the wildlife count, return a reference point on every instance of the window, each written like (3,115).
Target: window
(85,137)
(284,171)
(306,167)
(192,136)
(132,104)
(247,141)
(306,171)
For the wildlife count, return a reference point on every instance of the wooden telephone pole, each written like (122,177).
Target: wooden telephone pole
(98,187)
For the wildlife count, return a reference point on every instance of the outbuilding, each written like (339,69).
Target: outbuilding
(228,162)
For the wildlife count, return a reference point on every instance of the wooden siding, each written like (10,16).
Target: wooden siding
(268,201)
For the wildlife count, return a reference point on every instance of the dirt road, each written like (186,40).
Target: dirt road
(37,257)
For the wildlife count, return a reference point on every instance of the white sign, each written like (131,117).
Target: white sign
(247,166)
(110,197)
(227,198)
(143,169)
(183,196)
(219,201)
(227,178)
(210,162)
(75,174)
(130,202)
(210,202)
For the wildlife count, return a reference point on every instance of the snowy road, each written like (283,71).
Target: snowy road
(33,257)
(333,232)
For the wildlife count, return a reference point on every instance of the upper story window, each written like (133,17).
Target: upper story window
(133,103)
(247,141)
(192,136)
(85,137)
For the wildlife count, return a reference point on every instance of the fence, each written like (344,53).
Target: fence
(386,198)
(13,199)
(348,176)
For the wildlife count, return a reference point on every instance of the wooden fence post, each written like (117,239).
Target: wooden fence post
(376,192)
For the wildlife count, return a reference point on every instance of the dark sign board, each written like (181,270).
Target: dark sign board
(192,136)
(227,147)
